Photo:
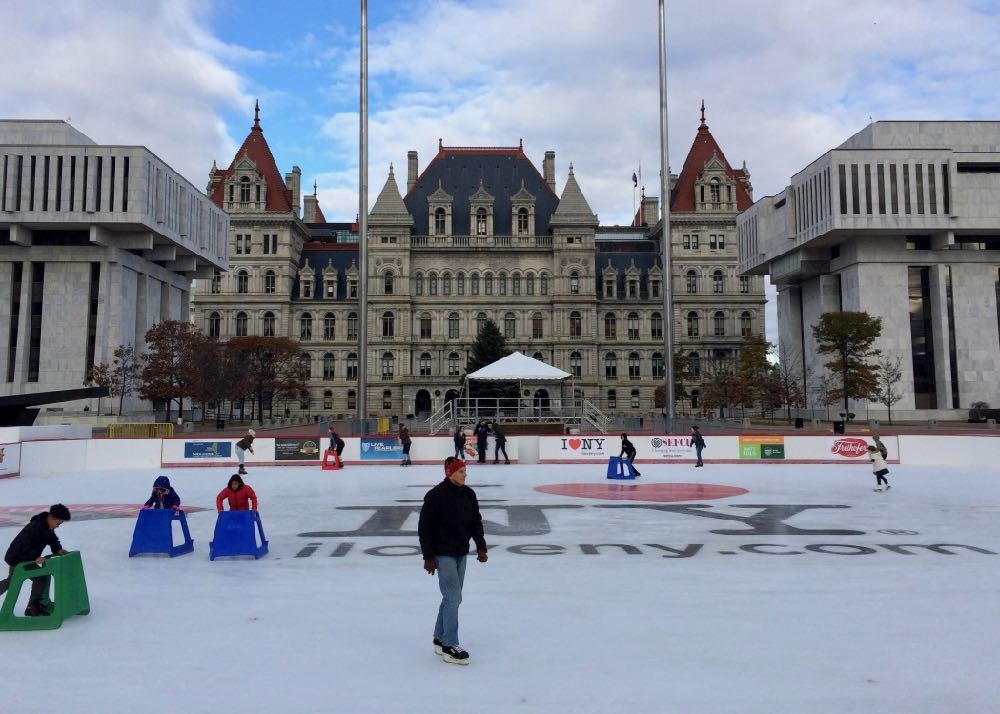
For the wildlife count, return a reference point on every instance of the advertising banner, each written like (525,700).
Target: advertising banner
(381,448)
(298,449)
(208,449)
(762,446)
(665,447)
(578,448)
(837,449)
(10,460)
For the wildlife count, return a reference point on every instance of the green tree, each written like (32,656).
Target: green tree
(489,346)
(753,370)
(849,337)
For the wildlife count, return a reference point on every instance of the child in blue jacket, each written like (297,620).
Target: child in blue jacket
(163,496)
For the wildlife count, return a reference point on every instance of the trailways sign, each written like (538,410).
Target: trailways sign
(531,520)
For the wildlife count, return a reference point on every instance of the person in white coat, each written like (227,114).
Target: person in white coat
(879,467)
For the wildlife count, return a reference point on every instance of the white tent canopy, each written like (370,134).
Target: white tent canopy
(518,366)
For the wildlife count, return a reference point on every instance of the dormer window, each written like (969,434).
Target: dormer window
(307,288)
(522,221)
(481,222)
(440,222)
(714,192)
(245,189)
(481,212)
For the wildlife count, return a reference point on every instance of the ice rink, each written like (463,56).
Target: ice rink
(808,592)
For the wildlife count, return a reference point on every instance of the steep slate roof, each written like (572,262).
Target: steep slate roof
(573,207)
(702,150)
(279,197)
(644,254)
(319,255)
(389,206)
(459,171)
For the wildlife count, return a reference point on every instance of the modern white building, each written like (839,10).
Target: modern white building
(98,243)
(901,221)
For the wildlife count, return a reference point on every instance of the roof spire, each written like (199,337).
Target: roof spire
(314,187)
(703,112)
(256,115)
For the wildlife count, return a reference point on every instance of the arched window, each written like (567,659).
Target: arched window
(539,356)
(612,399)
(329,364)
(480,221)
(269,324)
(692,323)
(522,221)
(610,326)
(425,326)
(657,365)
(214,324)
(388,324)
(454,322)
(241,324)
(243,282)
(327,400)
(387,399)
(460,284)
(480,322)
(446,284)
(633,326)
(576,364)
(611,365)
(453,364)
(488,284)
(425,364)
(245,189)
(634,369)
(509,326)
(418,284)
(529,285)
(439,221)
(515,284)
(634,398)
(352,326)
(543,284)
(656,326)
(329,326)
(691,278)
(502,284)
(575,324)
(574,283)
(718,282)
(432,284)
(352,365)
(306,326)
(388,283)
(270,282)
(352,399)
(388,365)
(714,191)
(746,324)
(474,284)
(216,283)
(719,323)
(694,364)
(537,326)
(305,364)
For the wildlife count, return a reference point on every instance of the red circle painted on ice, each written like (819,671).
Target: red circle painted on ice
(644,491)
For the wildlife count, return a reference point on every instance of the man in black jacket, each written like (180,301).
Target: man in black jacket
(242,447)
(28,545)
(449,518)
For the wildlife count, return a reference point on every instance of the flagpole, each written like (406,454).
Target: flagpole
(363,226)
(665,240)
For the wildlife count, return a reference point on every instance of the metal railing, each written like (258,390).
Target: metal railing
(572,412)
(140,431)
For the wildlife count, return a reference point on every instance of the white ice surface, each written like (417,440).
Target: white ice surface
(567,632)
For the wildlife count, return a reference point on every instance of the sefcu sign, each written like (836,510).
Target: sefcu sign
(669,447)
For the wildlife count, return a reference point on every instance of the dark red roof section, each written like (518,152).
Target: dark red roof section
(701,152)
(320,218)
(279,197)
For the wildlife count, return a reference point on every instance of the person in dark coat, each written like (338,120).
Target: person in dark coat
(28,545)
(698,442)
(459,442)
(404,439)
(243,446)
(336,443)
(163,496)
(501,445)
(449,518)
(628,451)
(482,433)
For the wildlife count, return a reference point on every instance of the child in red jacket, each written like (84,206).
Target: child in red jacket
(240,496)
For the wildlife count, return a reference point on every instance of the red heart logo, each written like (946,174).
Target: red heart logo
(574,444)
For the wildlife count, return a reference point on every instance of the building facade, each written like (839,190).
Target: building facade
(901,221)
(480,233)
(98,243)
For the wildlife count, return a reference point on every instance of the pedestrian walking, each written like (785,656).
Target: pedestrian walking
(459,442)
(698,442)
(242,447)
(501,445)
(628,451)
(449,518)
(404,439)
(879,467)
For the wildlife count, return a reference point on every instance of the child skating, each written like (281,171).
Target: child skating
(879,467)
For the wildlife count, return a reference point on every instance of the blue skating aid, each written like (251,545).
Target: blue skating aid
(236,534)
(154,533)
(619,468)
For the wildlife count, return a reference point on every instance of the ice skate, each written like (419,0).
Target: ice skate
(454,655)
(877,489)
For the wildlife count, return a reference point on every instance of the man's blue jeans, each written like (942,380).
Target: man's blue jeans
(451,577)
(698,449)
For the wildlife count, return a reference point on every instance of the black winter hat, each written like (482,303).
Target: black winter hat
(60,511)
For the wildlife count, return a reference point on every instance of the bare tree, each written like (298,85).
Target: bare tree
(889,373)
(788,373)
(100,376)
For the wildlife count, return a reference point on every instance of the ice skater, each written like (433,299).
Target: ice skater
(879,467)
(28,545)
(242,447)
(459,442)
(628,451)
(336,443)
(698,442)
(882,449)
(448,519)
(482,433)
(404,439)
(163,496)
(501,445)
(239,495)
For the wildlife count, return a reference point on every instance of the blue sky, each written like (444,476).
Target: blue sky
(783,81)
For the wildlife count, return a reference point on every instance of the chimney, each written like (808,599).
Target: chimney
(292,183)
(650,210)
(549,169)
(310,209)
(411,170)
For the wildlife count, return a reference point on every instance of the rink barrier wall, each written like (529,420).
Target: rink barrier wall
(14,434)
(37,457)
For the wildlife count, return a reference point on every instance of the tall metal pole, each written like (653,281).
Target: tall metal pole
(665,241)
(363,225)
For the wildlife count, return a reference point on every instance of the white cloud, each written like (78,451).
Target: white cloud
(148,73)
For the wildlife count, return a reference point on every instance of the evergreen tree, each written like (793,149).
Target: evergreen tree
(489,347)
